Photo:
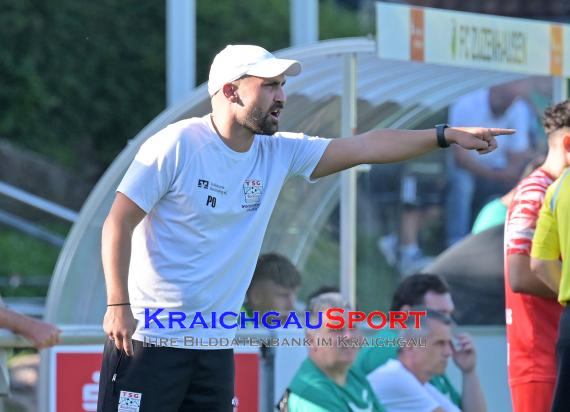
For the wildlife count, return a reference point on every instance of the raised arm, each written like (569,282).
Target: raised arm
(119,323)
(465,358)
(388,146)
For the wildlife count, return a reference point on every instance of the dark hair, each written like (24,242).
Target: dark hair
(412,289)
(556,117)
(279,269)
(431,315)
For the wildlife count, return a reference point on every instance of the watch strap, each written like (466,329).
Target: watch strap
(440,133)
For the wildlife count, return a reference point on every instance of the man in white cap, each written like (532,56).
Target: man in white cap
(188,222)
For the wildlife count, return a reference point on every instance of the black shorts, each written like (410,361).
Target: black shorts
(164,379)
(561,400)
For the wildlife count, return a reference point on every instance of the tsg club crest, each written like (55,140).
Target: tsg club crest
(252,190)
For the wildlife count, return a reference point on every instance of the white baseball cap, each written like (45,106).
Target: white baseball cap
(236,61)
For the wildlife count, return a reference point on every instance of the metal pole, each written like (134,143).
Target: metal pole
(267,377)
(31,229)
(348,186)
(38,202)
(4,378)
(180,50)
(304,21)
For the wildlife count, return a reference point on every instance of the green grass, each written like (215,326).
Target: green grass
(25,256)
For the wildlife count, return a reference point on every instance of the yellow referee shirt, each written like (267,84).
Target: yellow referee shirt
(552,236)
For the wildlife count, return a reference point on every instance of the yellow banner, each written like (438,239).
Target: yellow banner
(471,40)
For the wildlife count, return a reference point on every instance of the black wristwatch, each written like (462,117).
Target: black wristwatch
(440,133)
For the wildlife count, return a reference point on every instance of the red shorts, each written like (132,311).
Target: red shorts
(532,396)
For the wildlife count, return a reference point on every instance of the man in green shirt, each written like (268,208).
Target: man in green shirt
(432,292)
(325,381)
(493,213)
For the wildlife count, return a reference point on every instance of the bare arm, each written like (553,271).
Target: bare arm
(472,396)
(465,357)
(523,280)
(388,146)
(119,323)
(40,334)
(549,271)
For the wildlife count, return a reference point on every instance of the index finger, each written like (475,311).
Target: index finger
(495,131)
(128,345)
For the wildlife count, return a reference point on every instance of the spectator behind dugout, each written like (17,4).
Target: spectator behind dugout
(40,334)
(274,286)
(431,291)
(421,199)
(495,212)
(490,175)
(403,383)
(325,381)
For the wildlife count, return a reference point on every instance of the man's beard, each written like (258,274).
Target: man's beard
(259,123)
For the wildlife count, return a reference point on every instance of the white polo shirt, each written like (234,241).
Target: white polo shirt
(207,211)
(398,390)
